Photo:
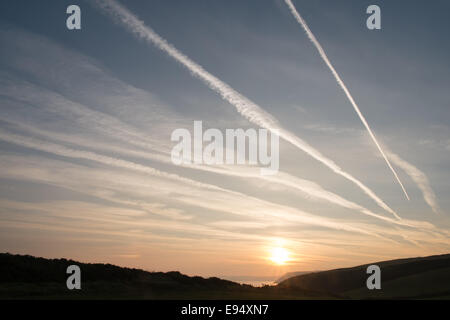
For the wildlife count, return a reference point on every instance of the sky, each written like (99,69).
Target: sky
(86,118)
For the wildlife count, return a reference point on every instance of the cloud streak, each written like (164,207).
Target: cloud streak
(420,179)
(92,182)
(341,83)
(244,205)
(243,105)
(307,187)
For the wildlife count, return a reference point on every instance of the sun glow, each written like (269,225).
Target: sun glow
(279,255)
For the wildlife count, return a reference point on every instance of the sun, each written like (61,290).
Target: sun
(279,255)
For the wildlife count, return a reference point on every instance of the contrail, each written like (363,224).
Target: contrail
(322,53)
(243,105)
(419,178)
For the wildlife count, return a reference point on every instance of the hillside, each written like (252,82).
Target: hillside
(27,277)
(425,277)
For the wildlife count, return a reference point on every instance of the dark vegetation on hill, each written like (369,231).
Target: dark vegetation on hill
(27,277)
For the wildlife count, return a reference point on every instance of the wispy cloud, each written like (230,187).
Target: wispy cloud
(250,206)
(23,92)
(307,187)
(60,104)
(83,179)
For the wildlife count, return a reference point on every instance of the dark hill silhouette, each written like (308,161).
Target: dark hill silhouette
(402,278)
(24,276)
(39,278)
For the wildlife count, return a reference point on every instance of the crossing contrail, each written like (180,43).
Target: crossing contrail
(247,108)
(419,178)
(324,57)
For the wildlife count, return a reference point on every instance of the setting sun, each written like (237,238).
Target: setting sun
(279,255)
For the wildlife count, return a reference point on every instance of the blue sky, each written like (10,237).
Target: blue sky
(86,118)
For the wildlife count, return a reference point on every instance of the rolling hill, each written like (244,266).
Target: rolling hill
(427,277)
